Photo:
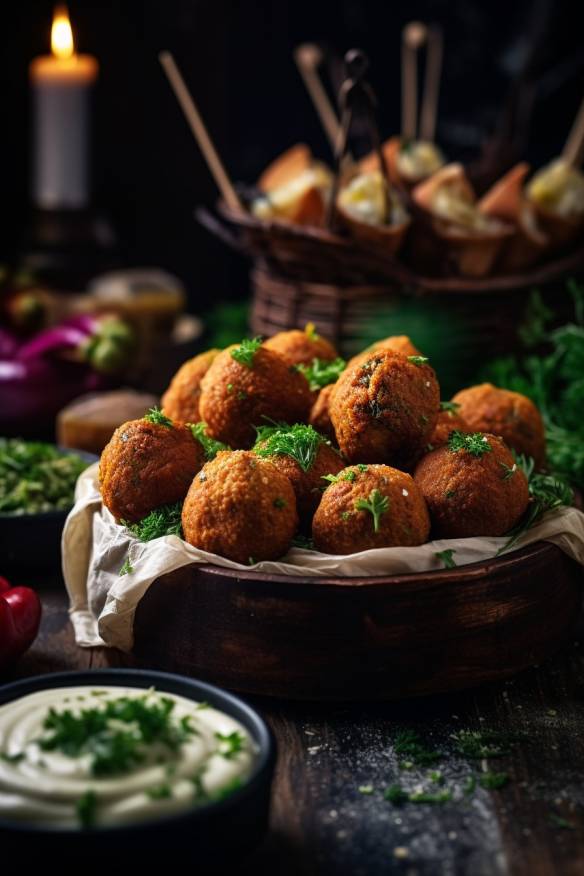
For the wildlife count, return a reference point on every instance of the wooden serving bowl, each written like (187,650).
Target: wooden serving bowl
(360,638)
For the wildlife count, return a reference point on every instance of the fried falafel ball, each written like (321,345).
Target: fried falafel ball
(180,402)
(320,417)
(240,507)
(513,416)
(370,506)
(305,457)
(397,343)
(302,347)
(472,486)
(246,385)
(385,409)
(148,463)
(449,420)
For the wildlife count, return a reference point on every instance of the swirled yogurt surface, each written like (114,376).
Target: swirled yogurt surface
(106,755)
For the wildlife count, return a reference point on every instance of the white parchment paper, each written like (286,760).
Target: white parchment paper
(103,602)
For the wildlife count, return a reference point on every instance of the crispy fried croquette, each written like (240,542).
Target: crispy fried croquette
(370,506)
(472,486)
(385,409)
(320,418)
(301,347)
(247,385)
(449,420)
(180,402)
(304,456)
(513,416)
(397,343)
(240,507)
(147,463)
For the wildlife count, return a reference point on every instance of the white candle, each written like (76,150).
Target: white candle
(61,85)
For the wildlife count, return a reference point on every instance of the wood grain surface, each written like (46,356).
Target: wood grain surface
(322,824)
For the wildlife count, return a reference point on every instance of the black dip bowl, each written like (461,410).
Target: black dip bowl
(215,834)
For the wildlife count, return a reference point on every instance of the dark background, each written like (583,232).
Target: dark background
(523,56)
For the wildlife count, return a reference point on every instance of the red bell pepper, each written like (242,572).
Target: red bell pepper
(20,617)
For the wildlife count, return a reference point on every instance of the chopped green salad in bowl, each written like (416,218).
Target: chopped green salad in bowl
(37,490)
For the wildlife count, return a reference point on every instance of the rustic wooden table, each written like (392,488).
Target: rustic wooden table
(321,823)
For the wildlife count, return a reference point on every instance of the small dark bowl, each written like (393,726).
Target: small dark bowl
(215,833)
(31,543)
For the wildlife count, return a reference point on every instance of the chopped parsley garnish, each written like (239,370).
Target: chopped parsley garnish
(300,442)
(230,788)
(476,443)
(418,360)
(346,475)
(303,542)
(160,792)
(365,789)
(12,758)
(245,352)
(377,504)
(36,477)
(436,798)
(86,808)
(231,744)
(322,372)
(210,446)
(449,406)
(493,781)
(279,502)
(395,794)
(447,558)
(127,568)
(156,416)
(479,744)
(469,786)
(116,735)
(165,520)
(409,745)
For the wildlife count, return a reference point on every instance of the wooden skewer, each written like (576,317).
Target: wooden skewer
(414,35)
(307,58)
(199,130)
(573,150)
(429,113)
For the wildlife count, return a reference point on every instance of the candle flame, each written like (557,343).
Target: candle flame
(61,34)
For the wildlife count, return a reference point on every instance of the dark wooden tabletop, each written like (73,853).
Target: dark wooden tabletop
(323,823)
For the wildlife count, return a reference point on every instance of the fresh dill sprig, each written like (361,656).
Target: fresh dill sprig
(347,474)
(476,443)
(210,446)
(449,406)
(244,353)
(377,504)
(447,558)
(508,470)
(165,520)
(300,442)
(156,416)
(418,360)
(547,493)
(322,372)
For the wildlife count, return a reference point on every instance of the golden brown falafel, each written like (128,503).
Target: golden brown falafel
(301,347)
(513,416)
(472,486)
(147,463)
(397,343)
(449,420)
(180,402)
(247,385)
(385,409)
(240,507)
(370,506)
(320,418)
(304,456)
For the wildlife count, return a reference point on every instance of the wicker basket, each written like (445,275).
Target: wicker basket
(305,275)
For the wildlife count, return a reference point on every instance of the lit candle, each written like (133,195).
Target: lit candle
(61,85)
